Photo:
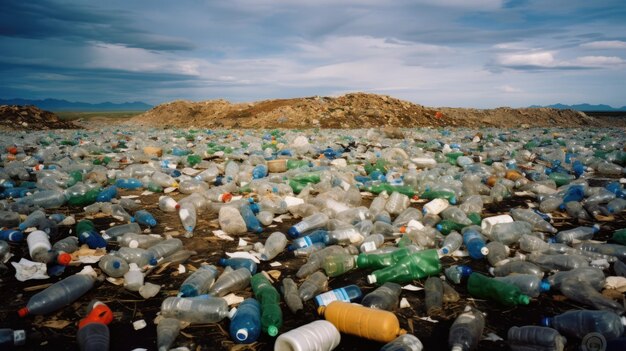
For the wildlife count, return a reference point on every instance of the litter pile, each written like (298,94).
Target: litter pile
(206,239)
(357,110)
(15,117)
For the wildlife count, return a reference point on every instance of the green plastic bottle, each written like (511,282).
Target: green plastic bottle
(298,182)
(561,178)
(84,225)
(268,296)
(193,160)
(441,194)
(293,164)
(382,260)
(379,188)
(619,236)
(447,226)
(418,265)
(75,177)
(475,218)
(484,287)
(85,199)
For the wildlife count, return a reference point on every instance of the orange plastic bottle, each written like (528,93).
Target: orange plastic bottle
(365,322)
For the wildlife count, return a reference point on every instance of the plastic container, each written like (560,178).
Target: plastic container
(231,221)
(198,282)
(114,266)
(368,323)
(372,243)
(238,262)
(315,221)
(466,330)
(38,246)
(11,235)
(532,337)
(93,332)
(314,284)
(385,297)
(233,281)
(133,278)
(435,206)
(188,218)
(196,310)
(475,244)
(32,220)
(350,293)
(529,284)
(579,323)
(579,233)
(488,223)
(558,262)
(271,314)
(433,301)
(483,287)
(316,259)
(451,243)
(140,257)
(10,338)
(119,230)
(245,326)
(165,248)
(145,218)
(291,295)
(274,245)
(455,273)
(319,335)
(134,240)
(58,295)
(510,233)
(415,266)
(167,332)
(317,236)
(380,260)
(405,342)
(167,204)
(338,264)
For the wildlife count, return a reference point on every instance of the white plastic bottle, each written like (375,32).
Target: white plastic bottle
(435,206)
(133,279)
(488,223)
(320,335)
(38,245)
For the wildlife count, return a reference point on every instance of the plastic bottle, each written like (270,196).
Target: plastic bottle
(385,297)
(579,323)
(245,326)
(338,264)
(10,338)
(167,332)
(315,221)
(498,253)
(517,267)
(397,203)
(188,218)
(529,284)
(11,235)
(616,205)
(584,293)
(58,295)
(616,250)
(165,248)
(144,217)
(38,246)
(198,282)
(587,275)
(167,204)
(291,295)
(466,330)
(456,215)
(5,251)
(451,243)
(67,245)
(415,266)
(9,219)
(349,293)
(271,314)
(129,183)
(107,194)
(134,240)
(231,221)
(433,288)
(140,257)
(368,323)
(113,266)
(579,233)
(32,220)
(315,284)
(196,310)
(455,273)
(133,278)
(119,230)
(435,206)
(380,260)
(93,332)
(475,244)
(252,223)
(488,223)
(274,245)
(316,259)
(558,262)
(487,288)
(318,335)
(238,262)
(531,337)
(233,281)
(510,233)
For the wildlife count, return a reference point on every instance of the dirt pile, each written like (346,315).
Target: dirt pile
(358,110)
(16,117)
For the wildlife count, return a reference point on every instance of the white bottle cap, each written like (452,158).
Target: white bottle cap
(133,244)
(232,313)
(484,250)
(371,279)
(242,334)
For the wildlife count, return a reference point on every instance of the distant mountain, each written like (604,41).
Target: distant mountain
(584,107)
(64,105)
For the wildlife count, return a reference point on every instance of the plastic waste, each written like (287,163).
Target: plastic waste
(315,221)
(196,310)
(531,337)
(274,245)
(408,342)
(385,297)
(487,288)
(433,288)
(167,331)
(475,244)
(271,314)
(318,335)
(414,266)
(239,262)
(529,284)
(466,330)
(199,282)
(579,323)
(93,330)
(10,338)
(133,278)
(114,266)
(245,326)
(579,233)
(349,293)
(233,281)
(291,295)
(313,285)
(455,273)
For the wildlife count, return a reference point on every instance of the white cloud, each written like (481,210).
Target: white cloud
(605,44)
(466,4)
(509,89)
(510,46)
(599,60)
(540,59)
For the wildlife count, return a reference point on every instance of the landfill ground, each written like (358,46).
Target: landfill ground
(58,330)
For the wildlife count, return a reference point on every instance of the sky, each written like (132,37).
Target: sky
(465,53)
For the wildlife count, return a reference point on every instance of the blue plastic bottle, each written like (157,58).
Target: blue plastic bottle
(128,183)
(317,236)
(33,220)
(144,217)
(199,282)
(11,235)
(252,223)
(245,327)
(475,244)
(350,293)
(259,171)
(92,238)
(108,194)
(238,262)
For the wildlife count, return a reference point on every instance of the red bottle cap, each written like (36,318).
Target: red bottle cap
(226,197)
(100,313)
(64,258)
(23,312)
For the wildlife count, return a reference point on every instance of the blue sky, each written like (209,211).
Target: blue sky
(481,53)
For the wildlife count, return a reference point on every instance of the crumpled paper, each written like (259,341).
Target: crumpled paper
(27,270)
(617,283)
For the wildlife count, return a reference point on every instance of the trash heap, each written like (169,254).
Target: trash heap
(314,239)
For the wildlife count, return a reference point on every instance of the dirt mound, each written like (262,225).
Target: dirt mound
(16,117)
(358,110)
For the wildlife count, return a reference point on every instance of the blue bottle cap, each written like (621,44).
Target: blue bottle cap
(132,220)
(596,228)
(293,232)
(117,264)
(465,271)
(546,321)
(445,250)
(188,291)
(153,261)
(562,207)
(544,286)
(221,262)
(439,227)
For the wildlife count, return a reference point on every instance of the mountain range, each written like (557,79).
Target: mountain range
(64,105)
(584,107)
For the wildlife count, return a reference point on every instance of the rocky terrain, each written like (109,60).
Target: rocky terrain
(15,117)
(356,110)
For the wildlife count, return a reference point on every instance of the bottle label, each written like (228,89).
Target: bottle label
(19,337)
(368,246)
(307,241)
(333,295)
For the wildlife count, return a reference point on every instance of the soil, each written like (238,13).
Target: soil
(13,117)
(357,110)
(57,331)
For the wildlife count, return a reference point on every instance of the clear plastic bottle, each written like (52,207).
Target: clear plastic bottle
(531,243)
(435,207)
(233,281)
(455,273)
(167,204)
(114,266)
(397,203)
(510,233)
(68,245)
(372,243)
(165,248)
(385,297)
(5,251)
(451,243)
(529,284)
(133,278)
(406,342)
(338,264)
(239,262)
(587,275)
(350,293)
(167,332)
(579,323)
(434,296)
(314,284)
(315,221)
(528,215)
(449,294)
(140,257)
(579,233)
(119,230)
(466,330)
(291,295)
(316,259)
(252,223)
(198,282)
(188,218)
(616,250)
(456,215)
(616,205)
(134,240)
(517,267)
(245,326)
(32,220)
(498,253)
(231,221)
(58,295)
(558,262)
(274,245)
(531,337)
(196,310)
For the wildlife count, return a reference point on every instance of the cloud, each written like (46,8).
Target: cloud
(510,89)
(538,59)
(599,61)
(605,44)
(546,60)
